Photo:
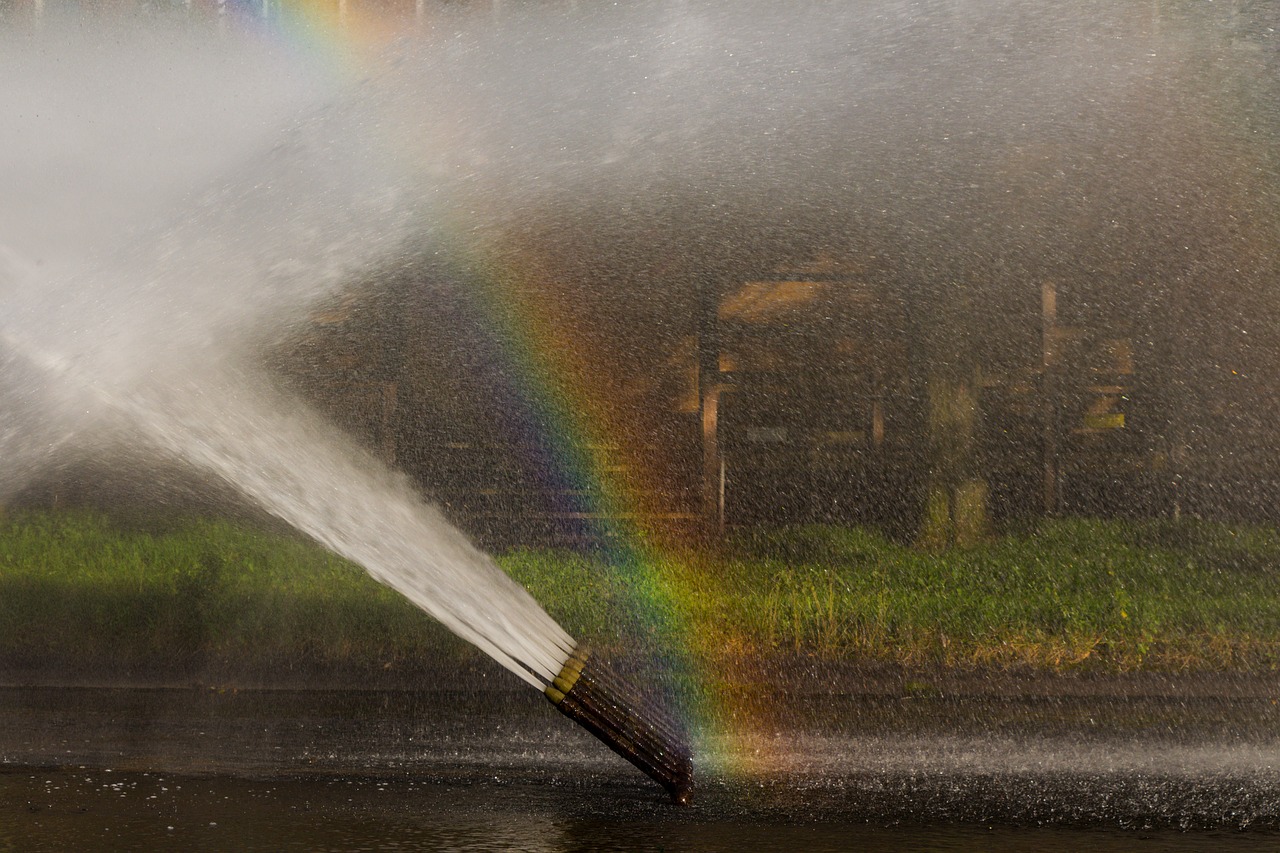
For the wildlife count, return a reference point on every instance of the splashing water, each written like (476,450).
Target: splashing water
(155,344)
(150,345)
(301,470)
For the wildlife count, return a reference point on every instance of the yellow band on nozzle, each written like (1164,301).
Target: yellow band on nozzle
(568,676)
(578,659)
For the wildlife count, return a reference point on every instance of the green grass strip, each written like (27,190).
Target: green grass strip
(79,594)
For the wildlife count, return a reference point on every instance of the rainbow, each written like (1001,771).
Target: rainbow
(331,35)
(555,382)
(536,338)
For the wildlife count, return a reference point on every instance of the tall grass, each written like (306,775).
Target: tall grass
(1065,593)
(78,594)
(214,600)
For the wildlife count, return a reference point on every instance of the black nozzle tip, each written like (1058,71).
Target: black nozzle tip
(590,694)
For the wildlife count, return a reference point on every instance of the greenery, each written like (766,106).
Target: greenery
(77,593)
(1061,594)
(222,602)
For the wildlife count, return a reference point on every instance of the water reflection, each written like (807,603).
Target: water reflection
(368,770)
(100,810)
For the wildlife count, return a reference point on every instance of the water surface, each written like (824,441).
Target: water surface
(497,769)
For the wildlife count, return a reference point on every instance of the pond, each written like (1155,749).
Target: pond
(495,769)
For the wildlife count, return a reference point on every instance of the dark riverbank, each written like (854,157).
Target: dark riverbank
(762,683)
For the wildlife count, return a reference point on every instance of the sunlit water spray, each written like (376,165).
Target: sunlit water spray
(299,469)
(766,131)
(153,343)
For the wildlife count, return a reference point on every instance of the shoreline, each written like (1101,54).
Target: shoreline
(794,676)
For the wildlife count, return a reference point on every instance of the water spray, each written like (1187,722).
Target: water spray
(453,581)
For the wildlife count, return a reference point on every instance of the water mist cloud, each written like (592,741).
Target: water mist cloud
(988,140)
(170,223)
(949,134)
(109,121)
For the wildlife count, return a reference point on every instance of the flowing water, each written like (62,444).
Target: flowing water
(84,810)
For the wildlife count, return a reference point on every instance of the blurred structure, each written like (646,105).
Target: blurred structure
(1018,322)
(802,395)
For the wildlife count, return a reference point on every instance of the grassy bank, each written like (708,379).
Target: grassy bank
(217,601)
(211,599)
(1064,594)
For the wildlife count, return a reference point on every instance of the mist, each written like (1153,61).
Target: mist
(175,195)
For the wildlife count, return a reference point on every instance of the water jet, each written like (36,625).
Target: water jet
(581,687)
(163,357)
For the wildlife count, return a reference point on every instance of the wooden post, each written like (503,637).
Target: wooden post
(1049,394)
(712,465)
(709,410)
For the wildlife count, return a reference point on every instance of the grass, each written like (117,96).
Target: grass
(221,602)
(77,593)
(1063,594)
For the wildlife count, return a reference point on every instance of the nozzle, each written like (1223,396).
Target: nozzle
(589,693)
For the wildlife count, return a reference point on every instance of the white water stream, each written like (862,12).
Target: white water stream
(141,329)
